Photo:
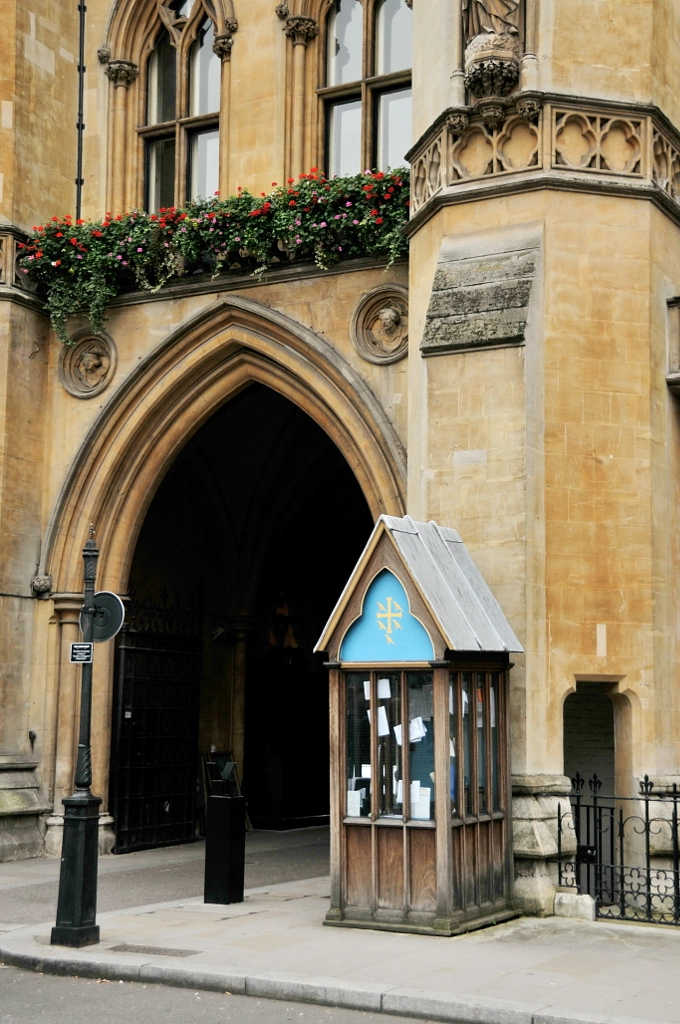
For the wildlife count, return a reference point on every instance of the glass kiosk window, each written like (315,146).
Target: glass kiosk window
(390,754)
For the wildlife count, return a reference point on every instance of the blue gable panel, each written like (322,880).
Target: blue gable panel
(386,630)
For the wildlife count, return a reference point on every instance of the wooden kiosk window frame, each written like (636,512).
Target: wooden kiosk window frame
(445,808)
(184,125)
(369,88)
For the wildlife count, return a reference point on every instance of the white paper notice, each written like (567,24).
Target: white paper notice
(451,700)
(383,724)
(492,707)
(397,734)
(415,793)
(353,803)
(384,692)
(465,702)
(400,791)
(416,730)
(421,811)
(452,748)
(367,689)
(365,771)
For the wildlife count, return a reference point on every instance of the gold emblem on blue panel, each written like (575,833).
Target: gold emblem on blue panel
(388,617)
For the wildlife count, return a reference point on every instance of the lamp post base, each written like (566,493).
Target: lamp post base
(77,907)
(74,937)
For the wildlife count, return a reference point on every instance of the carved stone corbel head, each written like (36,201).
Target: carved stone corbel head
(122,72)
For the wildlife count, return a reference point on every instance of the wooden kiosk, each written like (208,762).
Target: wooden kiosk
(421,838)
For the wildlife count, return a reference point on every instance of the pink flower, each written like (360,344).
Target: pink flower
(140,250)
(119,257)
(348,204)
(355,222)
(323,224)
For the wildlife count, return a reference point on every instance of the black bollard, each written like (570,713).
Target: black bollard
(225,849)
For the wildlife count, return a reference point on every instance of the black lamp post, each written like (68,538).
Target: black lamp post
(77,906)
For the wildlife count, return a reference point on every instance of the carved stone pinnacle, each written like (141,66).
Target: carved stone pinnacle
(282,10)
(301,29)
(122,72)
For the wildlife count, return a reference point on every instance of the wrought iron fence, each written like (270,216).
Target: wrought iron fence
(623,851)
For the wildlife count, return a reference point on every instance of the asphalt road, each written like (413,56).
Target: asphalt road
(27,998)
(28,889)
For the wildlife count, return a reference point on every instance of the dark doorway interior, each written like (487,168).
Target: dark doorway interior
(589,735)
(240,539)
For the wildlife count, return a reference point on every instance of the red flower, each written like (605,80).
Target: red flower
(80,221)
(378,220)
(374,213)
(290,180)
(292,203)
(59,234)
(97,234)
(38,254)
(73,241)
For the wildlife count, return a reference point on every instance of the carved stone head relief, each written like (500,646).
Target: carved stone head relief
(87,366)
(380,324)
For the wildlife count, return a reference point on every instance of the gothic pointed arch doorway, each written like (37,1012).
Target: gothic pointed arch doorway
(239,540)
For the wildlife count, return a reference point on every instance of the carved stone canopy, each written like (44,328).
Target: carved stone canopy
(379,326)
(87,366)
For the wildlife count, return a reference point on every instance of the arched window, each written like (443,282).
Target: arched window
(367,94)
(182,115)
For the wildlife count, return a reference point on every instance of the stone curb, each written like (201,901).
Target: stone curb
(402,1002)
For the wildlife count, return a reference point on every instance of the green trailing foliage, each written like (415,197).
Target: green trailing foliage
(80,267)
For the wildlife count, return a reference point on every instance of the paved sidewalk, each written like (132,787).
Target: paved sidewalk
(529,971)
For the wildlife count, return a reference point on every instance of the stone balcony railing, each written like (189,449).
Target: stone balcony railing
(535,140)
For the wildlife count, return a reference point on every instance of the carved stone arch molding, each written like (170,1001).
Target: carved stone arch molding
(131,32)
(172,392)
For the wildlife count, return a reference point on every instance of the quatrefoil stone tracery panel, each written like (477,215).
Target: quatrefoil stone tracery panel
(594,142)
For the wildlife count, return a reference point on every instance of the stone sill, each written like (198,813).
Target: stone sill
(283,273)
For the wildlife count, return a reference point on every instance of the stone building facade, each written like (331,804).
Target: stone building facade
(530,403)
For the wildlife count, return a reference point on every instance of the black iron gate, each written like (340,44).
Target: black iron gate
(155,728)
(622,851)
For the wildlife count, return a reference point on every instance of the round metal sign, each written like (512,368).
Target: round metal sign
(109,616)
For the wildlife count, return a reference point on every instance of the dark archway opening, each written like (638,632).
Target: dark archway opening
(238,565)
(589,745)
